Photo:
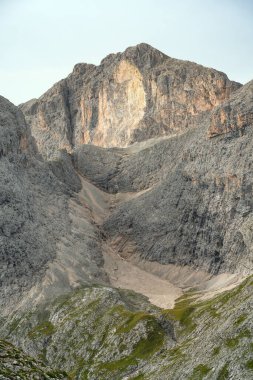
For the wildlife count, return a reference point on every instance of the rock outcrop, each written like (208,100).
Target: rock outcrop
(129,97)
(235,114)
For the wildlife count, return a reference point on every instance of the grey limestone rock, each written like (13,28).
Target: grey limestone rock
(35,217)
(197,207)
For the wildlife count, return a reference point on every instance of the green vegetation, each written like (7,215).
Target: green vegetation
(44,329)
(175,352)
(16,365)
(90,315)
(200,372)
(144,348)
(148,346)
(109,333)
(139,377)
(216,351)
(131,319)
(182,312)
(249,364)
(251,346)
(223,373)
(118,365)
(233,342)
(80,366)
(241,319)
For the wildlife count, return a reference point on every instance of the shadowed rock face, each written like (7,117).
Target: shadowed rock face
(15,137)
(36,221)
(129,97)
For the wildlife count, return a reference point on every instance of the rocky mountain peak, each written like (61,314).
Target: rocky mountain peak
(131,96)
(82,68)
(142,55)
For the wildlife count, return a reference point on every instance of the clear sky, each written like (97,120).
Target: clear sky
(41,40)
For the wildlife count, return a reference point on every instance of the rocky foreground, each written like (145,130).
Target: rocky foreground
(101,333)
(15,364)
(133,174)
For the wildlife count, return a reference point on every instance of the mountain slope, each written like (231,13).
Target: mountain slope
(37,230)
(101,333)
(169,216)
(16,365)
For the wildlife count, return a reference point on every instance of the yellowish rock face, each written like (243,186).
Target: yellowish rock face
(121,106)
(130,97)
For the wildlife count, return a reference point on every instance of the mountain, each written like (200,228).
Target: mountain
(129,97)
(126,222)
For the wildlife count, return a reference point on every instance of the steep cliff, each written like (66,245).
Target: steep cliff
(39,221)
(129,97)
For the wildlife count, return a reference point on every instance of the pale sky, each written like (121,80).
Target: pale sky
(41,40)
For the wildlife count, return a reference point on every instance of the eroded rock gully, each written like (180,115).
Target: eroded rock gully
(123,262)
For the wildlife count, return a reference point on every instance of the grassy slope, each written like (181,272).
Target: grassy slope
(93,333)
(214,337)
(101,333)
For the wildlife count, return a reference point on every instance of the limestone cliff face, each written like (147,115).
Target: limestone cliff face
(234,114)
(129,97)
